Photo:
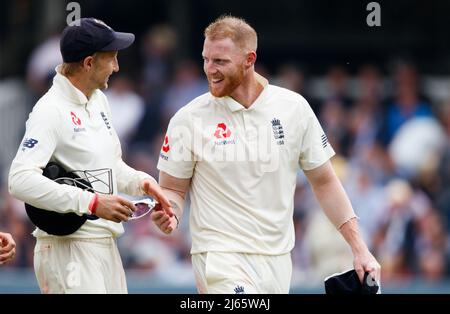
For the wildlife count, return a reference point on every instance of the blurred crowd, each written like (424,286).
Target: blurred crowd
(392,143)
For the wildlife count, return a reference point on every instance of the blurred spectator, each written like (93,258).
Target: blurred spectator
(440,178)
(394,240)
(42,64)
(291,77)
(333,118)
(431,246)
(368,199)
(416,146)
(407,102)
(187,84)
(337,86)
(327,249)
(127,108)
(157,48)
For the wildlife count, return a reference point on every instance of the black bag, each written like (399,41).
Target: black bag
(53,222)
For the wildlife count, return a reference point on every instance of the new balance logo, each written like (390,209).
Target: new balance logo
(239,290)
(29,143)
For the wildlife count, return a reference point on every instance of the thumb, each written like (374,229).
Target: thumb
(146,186)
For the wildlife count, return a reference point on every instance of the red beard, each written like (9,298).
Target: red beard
(228,84)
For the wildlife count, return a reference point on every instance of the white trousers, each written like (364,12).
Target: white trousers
(65,265)
(238,273)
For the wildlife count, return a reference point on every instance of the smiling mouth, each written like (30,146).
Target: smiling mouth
(216,81)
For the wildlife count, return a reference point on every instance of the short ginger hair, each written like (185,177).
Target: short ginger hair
(237,29)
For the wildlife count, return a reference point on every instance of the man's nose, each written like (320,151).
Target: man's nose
(116,67)
(210,68)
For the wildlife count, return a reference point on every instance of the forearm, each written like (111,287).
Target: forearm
(351,234)
(175,190)
(334,201)
(129,180)
(27,184)
(176,200)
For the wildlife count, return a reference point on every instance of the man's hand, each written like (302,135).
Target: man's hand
(363,261)
(114,208)
(164,222)
(153,189)
(7,248)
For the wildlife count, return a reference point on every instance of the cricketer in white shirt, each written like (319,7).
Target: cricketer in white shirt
(237,150)
(78,134)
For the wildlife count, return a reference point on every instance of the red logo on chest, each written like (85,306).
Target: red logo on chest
(75,119)
(222,131)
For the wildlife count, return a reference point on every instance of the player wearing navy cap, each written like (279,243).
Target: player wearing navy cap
(71,125)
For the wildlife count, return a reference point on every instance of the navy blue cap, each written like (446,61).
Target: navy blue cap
(86,36)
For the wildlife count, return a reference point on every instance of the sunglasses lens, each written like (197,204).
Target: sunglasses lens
(141,210)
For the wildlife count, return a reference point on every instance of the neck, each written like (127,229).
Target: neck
(248,91)
(82,83)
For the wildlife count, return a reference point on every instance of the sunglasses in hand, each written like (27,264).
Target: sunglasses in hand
(143,207)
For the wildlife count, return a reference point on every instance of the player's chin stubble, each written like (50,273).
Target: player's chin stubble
(229,83)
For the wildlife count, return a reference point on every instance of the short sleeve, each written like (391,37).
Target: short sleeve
(315,149)
(176,157)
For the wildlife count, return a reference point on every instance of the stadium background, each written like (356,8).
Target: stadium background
(381,93)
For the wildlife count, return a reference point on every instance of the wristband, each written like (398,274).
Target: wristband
(93,204)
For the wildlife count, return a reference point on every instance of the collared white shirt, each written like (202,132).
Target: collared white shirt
(77,133)
(243,164)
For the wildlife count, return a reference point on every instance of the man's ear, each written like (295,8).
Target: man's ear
(250,59)
(88,63)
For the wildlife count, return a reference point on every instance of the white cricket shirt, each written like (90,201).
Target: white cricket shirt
(243,164)
(77,133)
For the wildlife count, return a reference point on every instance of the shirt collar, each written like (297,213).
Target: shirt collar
(233,105)
(68,89)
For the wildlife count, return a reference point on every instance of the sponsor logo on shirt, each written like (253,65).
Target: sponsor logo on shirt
(75,119)
(278,132)
(222,134)
(29,143)
(77,122)
(165,148)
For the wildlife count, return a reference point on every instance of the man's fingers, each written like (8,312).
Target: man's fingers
(164,201)
(127,203)
(156,215)
(7,256)
(163,220)
(360,272)
(8,247)
(158,194)
(6,240)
